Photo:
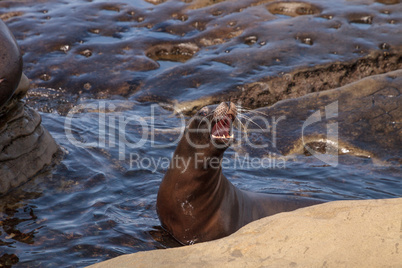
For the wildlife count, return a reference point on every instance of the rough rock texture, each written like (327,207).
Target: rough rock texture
(367,115)
(25,146)
(198,52)
(336,234)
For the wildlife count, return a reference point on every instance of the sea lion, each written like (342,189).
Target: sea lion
(10,64)
(196,202)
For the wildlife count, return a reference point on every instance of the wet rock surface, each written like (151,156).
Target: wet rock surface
(191,53)
(365,116)
(25,147)
(198,52)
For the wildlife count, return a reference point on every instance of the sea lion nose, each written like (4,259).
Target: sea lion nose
(221,110)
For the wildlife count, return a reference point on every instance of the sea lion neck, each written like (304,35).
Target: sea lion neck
(203,161)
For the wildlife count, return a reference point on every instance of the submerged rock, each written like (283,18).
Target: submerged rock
(200,52)
(25,146)
(361,119)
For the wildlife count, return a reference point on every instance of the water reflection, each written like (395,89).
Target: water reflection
(116,48)
(93,206)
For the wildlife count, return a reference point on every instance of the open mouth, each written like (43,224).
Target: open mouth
(222,130)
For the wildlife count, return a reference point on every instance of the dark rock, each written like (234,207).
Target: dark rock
(257,52)
(360,119)
(25,147)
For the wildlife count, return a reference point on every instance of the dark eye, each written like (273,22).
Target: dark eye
(203,111)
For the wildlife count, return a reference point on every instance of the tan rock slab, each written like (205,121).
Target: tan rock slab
(336,234)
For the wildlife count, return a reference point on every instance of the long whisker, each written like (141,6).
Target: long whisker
(239,113)
(256,112)
(243,109)
(239,121)
(249,119)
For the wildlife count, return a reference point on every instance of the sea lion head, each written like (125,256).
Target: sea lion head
(211,129)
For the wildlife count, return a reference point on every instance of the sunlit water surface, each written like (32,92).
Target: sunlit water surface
(98,204)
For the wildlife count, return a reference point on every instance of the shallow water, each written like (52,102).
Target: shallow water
(257,51)
(99,201)
(98,204)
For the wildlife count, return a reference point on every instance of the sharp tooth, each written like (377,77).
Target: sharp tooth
(223,136)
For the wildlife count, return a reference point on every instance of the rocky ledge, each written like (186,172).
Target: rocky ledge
(364,233)
(25,146)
